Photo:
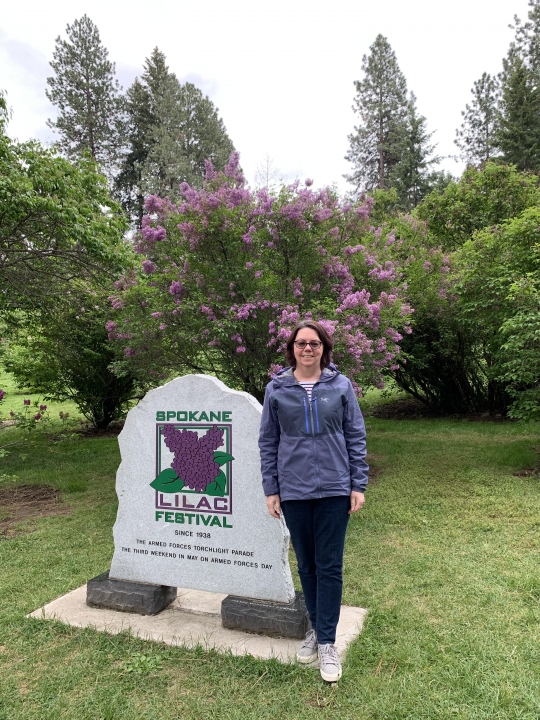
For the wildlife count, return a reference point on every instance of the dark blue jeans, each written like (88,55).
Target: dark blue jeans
(318,530)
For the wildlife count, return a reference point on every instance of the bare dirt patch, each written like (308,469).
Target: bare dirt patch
(112,430)
(403,409)
(528,472)
(375,467)
(25,502)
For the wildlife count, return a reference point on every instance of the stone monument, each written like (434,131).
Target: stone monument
(192,512)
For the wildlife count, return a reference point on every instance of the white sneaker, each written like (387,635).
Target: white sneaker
(329,663)
(308,651)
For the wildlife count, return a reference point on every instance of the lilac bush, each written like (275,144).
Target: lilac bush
(227,271)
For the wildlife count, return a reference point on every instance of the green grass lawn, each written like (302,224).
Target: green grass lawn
(445,555)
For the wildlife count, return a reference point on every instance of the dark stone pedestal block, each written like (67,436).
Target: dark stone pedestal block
(265,617)
(126,596)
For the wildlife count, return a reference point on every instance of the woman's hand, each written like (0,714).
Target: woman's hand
(357,500)
(273,503)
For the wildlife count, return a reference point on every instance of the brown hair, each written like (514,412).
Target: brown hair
(326,357)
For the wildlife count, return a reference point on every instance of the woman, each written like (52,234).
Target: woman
(313,450)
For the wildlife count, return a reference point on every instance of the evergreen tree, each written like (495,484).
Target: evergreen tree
(410,176)
(87,96)
(518,133)
(381,103)
(203,133)
(165,166)
(173,129)
(142,100)
(476,138)
(155,75)
(527,38)
(188,132)
(139,127)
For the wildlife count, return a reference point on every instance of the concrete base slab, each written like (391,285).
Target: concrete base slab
(194,618)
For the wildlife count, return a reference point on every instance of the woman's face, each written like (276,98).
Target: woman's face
(308,357)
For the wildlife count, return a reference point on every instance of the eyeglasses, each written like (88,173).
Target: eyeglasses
(314,344)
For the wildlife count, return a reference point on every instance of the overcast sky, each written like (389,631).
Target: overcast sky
(281,73)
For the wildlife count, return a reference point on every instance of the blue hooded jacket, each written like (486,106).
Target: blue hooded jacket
(312,450)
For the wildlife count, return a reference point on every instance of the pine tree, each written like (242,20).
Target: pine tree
(518,133)
(166,165)
(142,100)
(203,133)
(87,96)
(381,102)
(476,138)
(173,129)
(527,38)
(154,78)
(410,176)
(188,132)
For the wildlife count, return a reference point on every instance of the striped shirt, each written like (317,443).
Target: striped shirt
(308,387)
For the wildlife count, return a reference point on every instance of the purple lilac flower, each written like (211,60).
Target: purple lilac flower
(274,369)
(176,287)
(116,303)
(153,204)
(152,235)
(148,267)
(193,455)
(210,173)
(231,167)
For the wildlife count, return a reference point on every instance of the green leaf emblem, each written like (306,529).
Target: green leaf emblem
(221,457)
(217,488)
(167,482)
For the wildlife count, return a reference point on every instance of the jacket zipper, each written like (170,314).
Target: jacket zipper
(313,402)
(306,414)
